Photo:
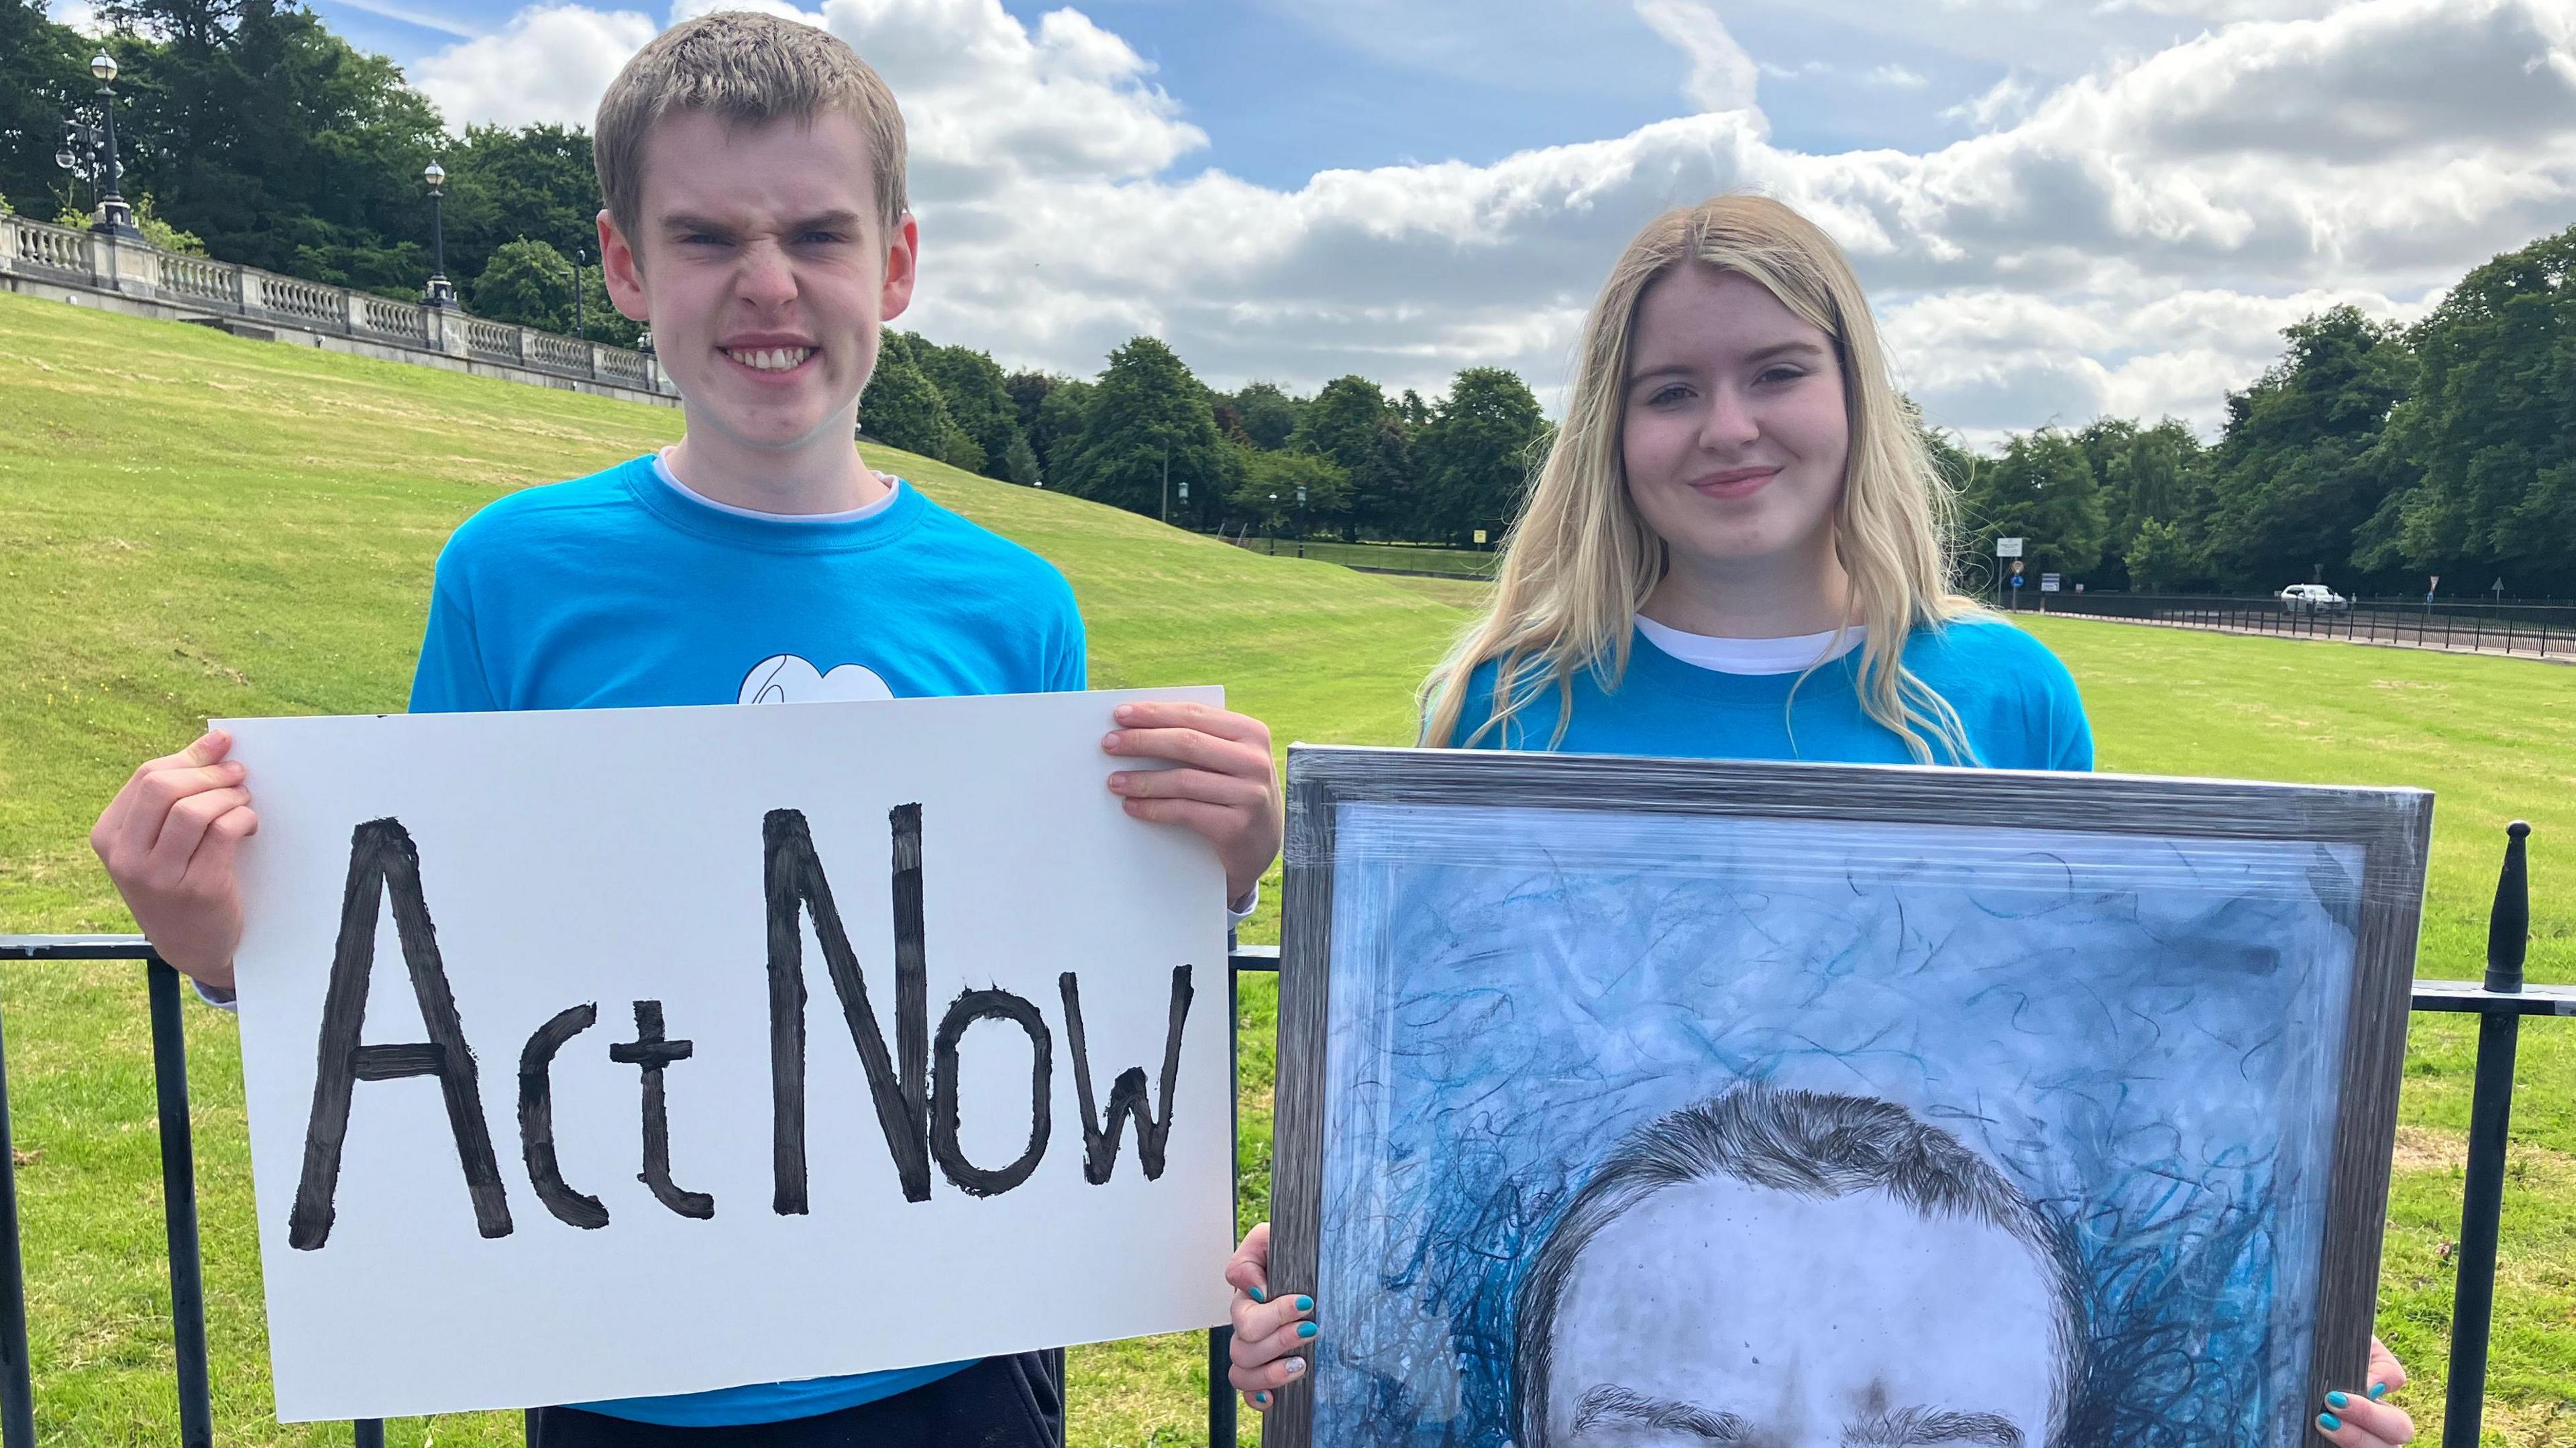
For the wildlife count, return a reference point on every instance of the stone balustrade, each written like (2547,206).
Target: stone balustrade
(199,288)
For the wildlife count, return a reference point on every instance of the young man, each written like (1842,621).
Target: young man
(754,177)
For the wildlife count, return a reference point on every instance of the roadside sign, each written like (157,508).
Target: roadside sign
(2008,548)
(2016,571)
(2016,578)
(2048,583)
(1480,535)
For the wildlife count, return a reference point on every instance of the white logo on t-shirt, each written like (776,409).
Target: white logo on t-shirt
(788,679)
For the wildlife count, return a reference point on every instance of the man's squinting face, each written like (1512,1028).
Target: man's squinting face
(1719,1313)
(1733,428)
(765,271)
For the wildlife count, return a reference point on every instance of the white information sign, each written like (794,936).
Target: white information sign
(612,1053)
(2048,583)
(2008,548)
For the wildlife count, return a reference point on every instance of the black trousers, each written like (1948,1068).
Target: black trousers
(1001,1402)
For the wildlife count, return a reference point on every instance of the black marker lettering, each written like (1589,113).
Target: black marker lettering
(794,882)
(989,1005)
(381,855)
(650,1051)
(1127,1094)
(537,1118)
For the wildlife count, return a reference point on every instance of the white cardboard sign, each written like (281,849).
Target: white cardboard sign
(614,1053)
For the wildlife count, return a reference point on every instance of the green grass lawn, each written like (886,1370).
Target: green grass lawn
(1413,557)
(192,524)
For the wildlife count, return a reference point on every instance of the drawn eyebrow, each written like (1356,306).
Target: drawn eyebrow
(1608,1400)
(1919,1426)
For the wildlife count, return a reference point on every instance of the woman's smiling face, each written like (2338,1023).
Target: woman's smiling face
(1734,429)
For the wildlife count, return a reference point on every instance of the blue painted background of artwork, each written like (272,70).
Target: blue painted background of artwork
(2144,1033)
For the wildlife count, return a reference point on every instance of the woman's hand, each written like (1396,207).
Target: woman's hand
(1269,1332)
(2355,1420)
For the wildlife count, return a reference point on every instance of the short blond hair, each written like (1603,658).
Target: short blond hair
(750,69)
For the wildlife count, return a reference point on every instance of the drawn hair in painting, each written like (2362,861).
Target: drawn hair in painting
(1819,1145)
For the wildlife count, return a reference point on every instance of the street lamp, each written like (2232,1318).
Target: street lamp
(115,218)
(83,152)
(441,292)
(580,327)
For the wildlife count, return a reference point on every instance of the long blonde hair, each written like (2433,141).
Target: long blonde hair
(1581,559)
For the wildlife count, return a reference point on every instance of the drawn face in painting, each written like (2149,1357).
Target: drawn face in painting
(1716,1312)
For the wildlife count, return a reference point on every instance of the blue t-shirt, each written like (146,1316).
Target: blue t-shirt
(2016,702)
(623,589)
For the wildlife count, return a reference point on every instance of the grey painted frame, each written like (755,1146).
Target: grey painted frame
(2393,827)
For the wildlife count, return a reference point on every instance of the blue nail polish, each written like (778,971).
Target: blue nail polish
(2378,1391)
(1262,1398)
(1257,1294)
(1305,1329)
(2329,1421)
(2338,1400)
(1305,1304)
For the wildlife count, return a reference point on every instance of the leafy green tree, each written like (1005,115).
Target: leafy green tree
(502,185)
(1268,414)
(978,398)
(1146,414)
(526,282)
(2299,473)
(2484,453)
(1028,397)
(1386,483)
(270,137)
(1270,490)
(44,69)
(1477,453)
(903,408)
(1020,463)
(1057,436)
(2160,557)
(2146,474)
(2042,490)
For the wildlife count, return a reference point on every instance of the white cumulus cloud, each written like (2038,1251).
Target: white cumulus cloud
(2130,238)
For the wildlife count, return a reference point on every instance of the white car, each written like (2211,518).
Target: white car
(2313,598)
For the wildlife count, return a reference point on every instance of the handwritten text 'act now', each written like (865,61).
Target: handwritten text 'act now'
(914,1088)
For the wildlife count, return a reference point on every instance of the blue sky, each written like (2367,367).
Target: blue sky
(2060,209)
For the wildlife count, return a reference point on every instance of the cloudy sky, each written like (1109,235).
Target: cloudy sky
(2061,209)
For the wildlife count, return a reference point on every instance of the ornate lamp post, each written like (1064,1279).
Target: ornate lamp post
(441,292)
(83,153)
(115,218)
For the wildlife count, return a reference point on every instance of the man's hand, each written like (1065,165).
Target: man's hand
(168,841)
(1225,786)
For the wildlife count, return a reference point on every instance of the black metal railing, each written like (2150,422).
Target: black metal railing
(2500,1001)
(2536,631)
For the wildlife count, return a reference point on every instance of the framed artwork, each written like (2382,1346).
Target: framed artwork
(1631,1101)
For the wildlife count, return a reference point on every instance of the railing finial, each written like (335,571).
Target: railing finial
(2509,924)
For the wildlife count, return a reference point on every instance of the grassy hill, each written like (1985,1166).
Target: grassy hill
(191,524)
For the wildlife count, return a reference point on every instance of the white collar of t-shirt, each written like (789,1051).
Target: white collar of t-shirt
(1752,656)
(662,470)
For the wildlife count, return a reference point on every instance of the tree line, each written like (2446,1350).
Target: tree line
(1146,435)
(2370,457)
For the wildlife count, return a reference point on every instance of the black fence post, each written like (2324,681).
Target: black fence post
(368,1432)
(179,1206)
(2490,1116)
(1220,1340)
(17,1391)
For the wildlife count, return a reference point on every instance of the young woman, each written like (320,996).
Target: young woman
(1737,549)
